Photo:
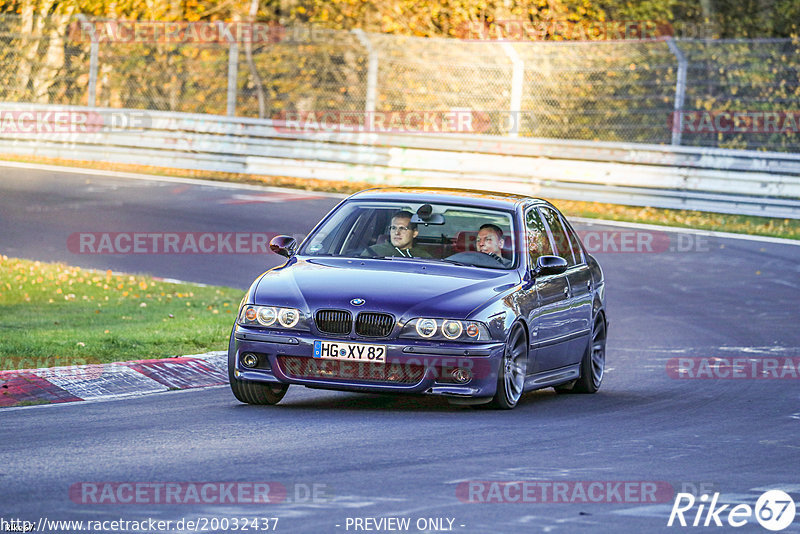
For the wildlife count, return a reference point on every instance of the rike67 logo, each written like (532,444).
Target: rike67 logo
(774,510)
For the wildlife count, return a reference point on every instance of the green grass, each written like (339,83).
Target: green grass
(54,314)
(786,228)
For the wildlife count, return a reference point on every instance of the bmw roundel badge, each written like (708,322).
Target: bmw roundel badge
(357,302)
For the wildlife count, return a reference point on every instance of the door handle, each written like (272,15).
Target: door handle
(566,291)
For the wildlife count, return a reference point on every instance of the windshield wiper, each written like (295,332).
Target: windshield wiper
(454,262)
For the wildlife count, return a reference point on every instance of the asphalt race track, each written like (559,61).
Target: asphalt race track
(340,457)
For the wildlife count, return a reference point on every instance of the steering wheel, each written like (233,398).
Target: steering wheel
(478,259)
(496,257)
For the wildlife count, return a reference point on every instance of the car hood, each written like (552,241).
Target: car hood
(404,288)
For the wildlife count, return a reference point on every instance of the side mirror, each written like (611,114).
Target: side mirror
(547,265)
(283,245)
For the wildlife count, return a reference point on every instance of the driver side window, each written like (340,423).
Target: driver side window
(536,235)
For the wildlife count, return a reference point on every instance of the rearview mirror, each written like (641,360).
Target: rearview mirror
(283,245)
(426,216)
(547,265)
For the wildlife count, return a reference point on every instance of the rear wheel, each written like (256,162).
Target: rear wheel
(593,363)
(252,392)
(511,376)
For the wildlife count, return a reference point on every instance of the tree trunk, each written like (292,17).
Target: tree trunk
(248,49)
(53,62)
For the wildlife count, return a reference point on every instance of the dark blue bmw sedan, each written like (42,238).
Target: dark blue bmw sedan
(473,296)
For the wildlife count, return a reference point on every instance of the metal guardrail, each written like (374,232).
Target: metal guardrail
(706,179)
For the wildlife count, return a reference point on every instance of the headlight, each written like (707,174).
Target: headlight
(445,330)
(267,316)
(452,329)
(426,327)
(274,316)
(288,317)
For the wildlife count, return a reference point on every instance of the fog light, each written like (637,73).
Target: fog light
(461,376)
(249,360)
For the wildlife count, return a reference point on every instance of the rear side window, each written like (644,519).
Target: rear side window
(561,242)
(538,241)
(576,245)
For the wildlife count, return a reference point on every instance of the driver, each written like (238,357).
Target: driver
(402,233)
(490,241)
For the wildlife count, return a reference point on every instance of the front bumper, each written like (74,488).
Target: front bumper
(412,367)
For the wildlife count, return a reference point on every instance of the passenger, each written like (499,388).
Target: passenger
(490,241)
(402,233)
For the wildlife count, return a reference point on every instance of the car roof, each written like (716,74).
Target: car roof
(464,197)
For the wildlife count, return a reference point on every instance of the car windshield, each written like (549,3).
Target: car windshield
(421,231)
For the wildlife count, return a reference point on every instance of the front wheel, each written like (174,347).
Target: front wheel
(252,392)
(511,376)
(257,393)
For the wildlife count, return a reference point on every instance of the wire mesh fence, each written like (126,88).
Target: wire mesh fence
(717,93)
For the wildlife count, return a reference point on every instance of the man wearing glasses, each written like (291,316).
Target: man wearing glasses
(402,233)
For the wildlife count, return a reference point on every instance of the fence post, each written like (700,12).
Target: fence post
(517,77)
(680,91)
(93,52)
(233,75)
(372,70)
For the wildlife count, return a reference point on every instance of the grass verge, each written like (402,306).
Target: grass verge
(785,228)
(52,314)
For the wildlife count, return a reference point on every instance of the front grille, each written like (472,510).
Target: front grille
(374,324)
(334,321)
(390,373)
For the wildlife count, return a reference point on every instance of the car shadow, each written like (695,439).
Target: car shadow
(314,400)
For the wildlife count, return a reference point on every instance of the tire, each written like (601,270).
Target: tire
(593,362)
(252,392)
(511,375)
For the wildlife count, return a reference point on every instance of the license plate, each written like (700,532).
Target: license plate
(354,352)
